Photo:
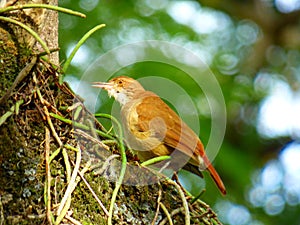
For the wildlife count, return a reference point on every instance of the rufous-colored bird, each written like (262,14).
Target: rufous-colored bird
(153,129)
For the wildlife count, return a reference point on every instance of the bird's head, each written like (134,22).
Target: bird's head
(122,88)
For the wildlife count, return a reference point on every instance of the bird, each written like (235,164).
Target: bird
(153,129)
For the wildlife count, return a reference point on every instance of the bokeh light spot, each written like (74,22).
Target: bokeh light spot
(227,63)
(274,204)
(88,5)
(272,176)
(247,32)
(287,6)
(279,112)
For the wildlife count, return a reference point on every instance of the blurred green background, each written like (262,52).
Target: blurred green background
(252,47)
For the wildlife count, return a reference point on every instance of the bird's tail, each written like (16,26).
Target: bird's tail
(214,174)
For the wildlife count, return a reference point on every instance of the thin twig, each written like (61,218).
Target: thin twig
(78,45)
(105,165)
(158,205)
(181,193)
(64,152)
(29,30)
(155,160)
(2,218)
(173,213)
(92,129)
(72,220)
(169,217)
(54,154)
(94,194)
(81,126)
(24,72)
(46,6)
(51,126)
(123,164)
(89,137)
(184,201)
(66,200)
(15,108)
(77,112)
(48,175)
(67,164)
(74,106)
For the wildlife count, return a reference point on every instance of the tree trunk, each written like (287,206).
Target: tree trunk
(41,144)
(22,175)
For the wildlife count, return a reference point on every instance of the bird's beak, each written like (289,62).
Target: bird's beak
(104,85)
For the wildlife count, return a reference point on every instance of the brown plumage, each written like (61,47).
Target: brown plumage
(153,129)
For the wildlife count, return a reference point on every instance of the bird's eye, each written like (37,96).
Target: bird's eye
(120,82)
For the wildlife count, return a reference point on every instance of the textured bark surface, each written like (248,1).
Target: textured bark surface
(21,155)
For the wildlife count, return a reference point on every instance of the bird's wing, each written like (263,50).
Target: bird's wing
(155,115)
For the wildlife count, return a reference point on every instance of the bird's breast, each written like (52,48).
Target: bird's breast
(138,132)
